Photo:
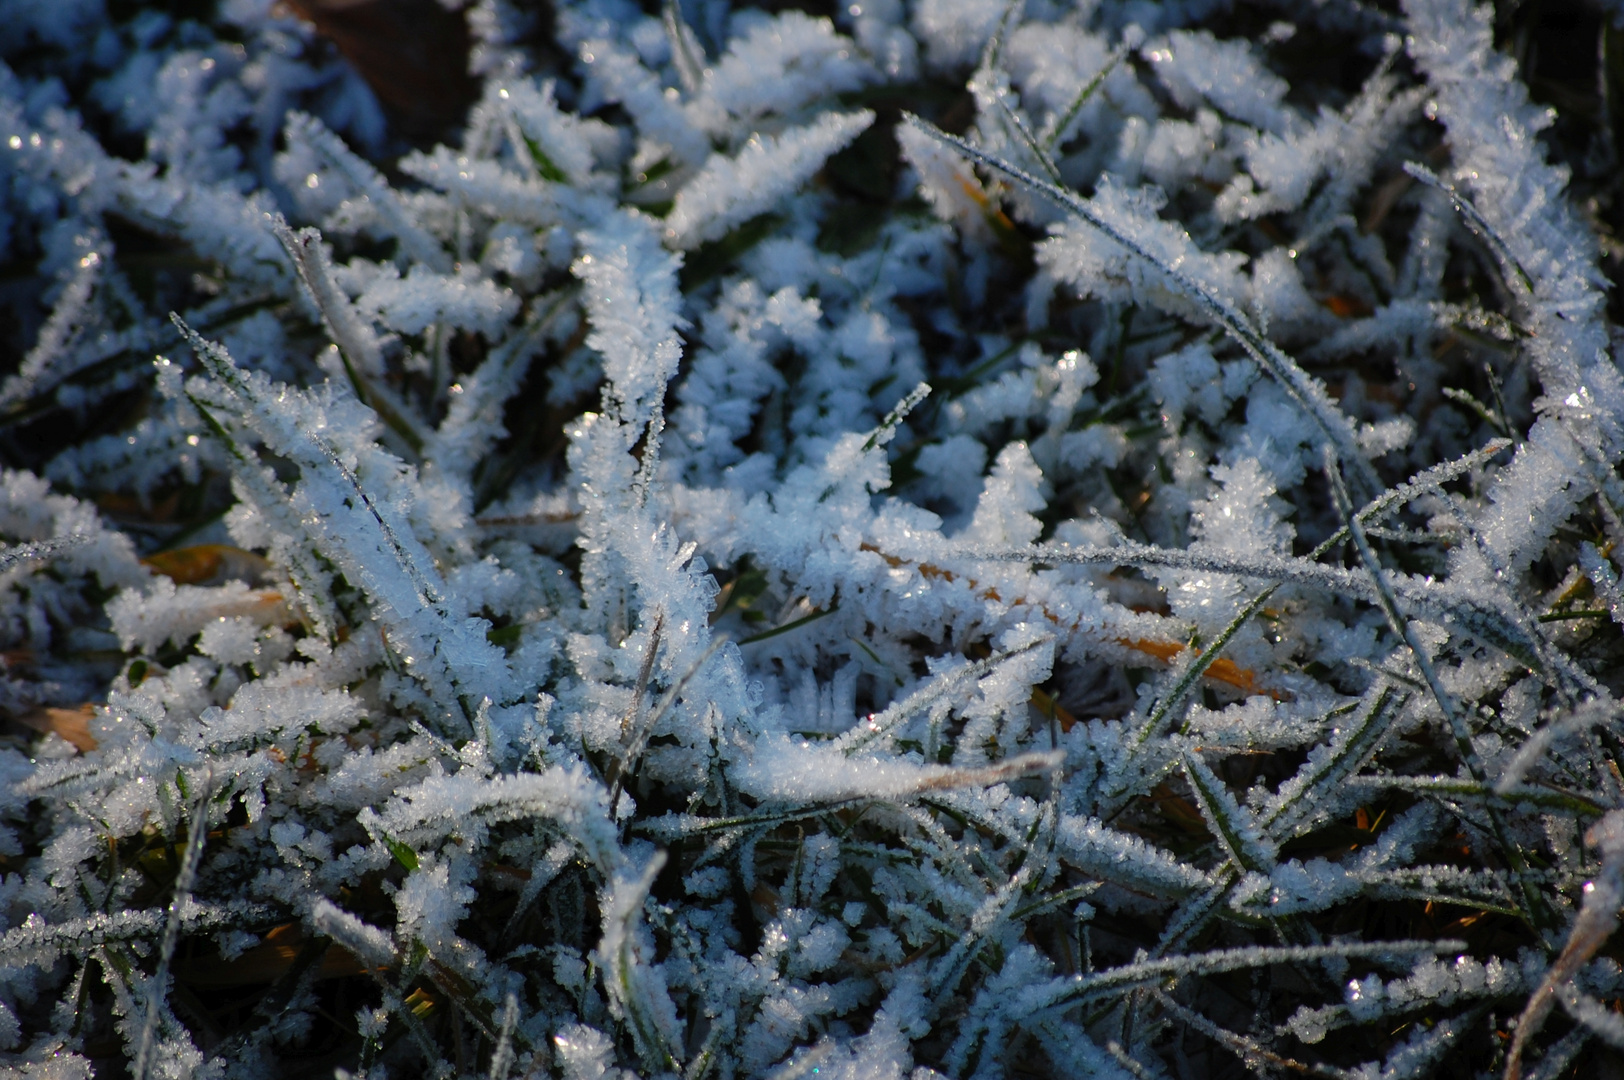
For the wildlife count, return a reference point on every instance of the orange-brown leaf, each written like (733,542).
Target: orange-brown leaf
(1047,705)
(266,961)
(72,725)
(208,564)
(1346,307)
(134,508)
(1220,670)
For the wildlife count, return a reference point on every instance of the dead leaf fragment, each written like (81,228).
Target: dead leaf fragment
(73,725)
(413,53)
(209,564)
(1220,670)
(264,962)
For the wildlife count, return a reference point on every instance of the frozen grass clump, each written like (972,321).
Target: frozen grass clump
(947,539)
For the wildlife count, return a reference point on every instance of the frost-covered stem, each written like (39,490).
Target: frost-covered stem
(418,244)
(1057,131)
(473,419)
(1532,907)
(1249,1051)
(1192,916)
(729,190)
(1176,697)
(1422,483)
(1354,744)
(1399,624)
(1146,972)
(357,344)
(251,483)
(623,976)
(416,590)
(429,592)
(639,734)
(992,54)
(157,987)
(1437,599)
(632,722)
(1375,510)
(353,337)
(1308,395)
(1225,820)
(43,944)
(887,428)
(1359,741)
(1017,126)
(1479,225)
(1603,579)
(643,482)
(502,1056)
(18,554)
(1520,199)
(880,727)
(704,1061)
(1570,681)
(1592,926)
(1505,794)
(687,54)
(55,336)
(993,913)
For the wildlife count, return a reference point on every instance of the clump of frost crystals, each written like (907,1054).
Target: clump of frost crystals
(953,540)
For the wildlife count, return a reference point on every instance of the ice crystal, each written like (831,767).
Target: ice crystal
(939,539)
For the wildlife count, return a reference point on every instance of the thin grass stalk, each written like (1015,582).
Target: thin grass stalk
(1251,1053)
(158,984)
(502,1056)
(1533,908)
(1308,395)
